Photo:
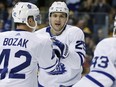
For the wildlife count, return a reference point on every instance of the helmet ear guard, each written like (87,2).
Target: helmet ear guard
(21,12)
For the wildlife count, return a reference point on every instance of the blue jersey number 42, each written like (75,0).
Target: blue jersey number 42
(13,73)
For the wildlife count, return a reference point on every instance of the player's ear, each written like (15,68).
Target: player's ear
(30,21)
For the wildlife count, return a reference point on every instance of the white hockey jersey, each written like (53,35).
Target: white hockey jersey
(20,51)
(69,70)
(103,68)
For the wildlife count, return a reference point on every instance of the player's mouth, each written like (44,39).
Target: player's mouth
(57,24)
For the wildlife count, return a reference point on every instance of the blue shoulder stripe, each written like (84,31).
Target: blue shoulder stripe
(106,74)
(93,80)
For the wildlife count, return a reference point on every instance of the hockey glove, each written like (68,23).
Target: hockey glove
(60,49)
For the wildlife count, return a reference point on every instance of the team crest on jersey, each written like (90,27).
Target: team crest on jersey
(29,6)
(60,69)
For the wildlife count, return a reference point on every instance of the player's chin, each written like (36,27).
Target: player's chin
(57,29)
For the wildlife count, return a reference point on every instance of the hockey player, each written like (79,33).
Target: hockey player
(22,50)
(103,69)
(69,69)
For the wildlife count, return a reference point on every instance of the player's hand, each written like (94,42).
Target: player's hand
(60,49)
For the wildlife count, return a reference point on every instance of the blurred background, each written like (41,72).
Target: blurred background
(94,17)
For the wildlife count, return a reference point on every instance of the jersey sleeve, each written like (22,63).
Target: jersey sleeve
(76,48)
(103,70)
(47,59)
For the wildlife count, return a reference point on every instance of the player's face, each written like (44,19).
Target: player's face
(58,21)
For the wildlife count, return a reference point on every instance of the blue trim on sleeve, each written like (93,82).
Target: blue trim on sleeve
(82,56)
(93,80)
(106,74)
